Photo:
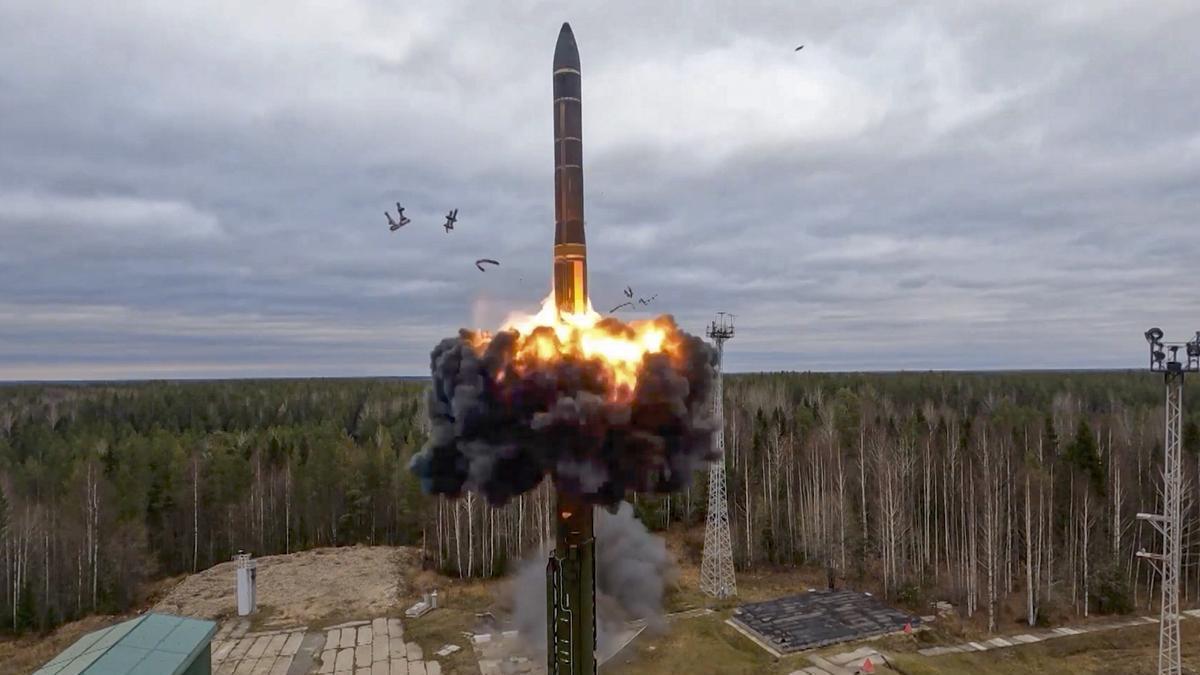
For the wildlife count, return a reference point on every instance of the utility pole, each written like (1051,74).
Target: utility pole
(716,568)
(1169,522)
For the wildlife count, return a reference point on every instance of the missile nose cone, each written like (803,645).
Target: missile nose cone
(566,52)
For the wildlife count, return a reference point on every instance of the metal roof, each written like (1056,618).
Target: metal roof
(152,644)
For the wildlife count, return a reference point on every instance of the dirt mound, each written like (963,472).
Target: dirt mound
(310,588)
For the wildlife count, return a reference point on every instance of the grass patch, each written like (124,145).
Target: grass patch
(699,645)
(457,606)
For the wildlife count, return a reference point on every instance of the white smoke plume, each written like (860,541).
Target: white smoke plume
(633,569)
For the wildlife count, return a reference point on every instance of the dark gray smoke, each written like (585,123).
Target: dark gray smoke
(632,570)
(498,429)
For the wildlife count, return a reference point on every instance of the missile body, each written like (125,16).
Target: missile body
(571,569)
(571,590)
(570,248)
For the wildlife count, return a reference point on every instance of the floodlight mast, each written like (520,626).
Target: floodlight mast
(716,567)
(1169,522)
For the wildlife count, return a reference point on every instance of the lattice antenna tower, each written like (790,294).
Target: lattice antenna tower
(1169,522)
(716,569)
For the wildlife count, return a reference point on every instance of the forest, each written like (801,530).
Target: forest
(1011,495)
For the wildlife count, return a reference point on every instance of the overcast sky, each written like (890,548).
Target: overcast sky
(197,189)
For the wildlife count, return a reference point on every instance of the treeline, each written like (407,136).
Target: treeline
(104,486)
(1012,495)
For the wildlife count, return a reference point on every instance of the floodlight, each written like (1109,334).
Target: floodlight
(1193,349)
(1154,335)
(1158,356)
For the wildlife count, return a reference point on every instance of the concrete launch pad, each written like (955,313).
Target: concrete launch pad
(816,619)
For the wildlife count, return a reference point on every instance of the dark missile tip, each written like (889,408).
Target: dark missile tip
(566,52)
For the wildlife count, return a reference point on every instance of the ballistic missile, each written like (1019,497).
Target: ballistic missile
(571,569)
(570,248)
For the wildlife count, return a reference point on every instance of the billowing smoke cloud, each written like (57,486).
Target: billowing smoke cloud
(632,570)
(499,426)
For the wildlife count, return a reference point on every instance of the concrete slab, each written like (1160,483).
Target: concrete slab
(221,650)
(830,667)
(345,661)
(291,644)
(999,642)
(364,635)
(362,656)
(239,650)
(855,656)
(281,665)
(349,637)
(977,647)
(380,668)
(328,657)
(397,648)
(395,628)
(1027,638)
(259,647)
(399,666)
(275,646)
(417,668)
(379,648)
(433,668)
(414,652)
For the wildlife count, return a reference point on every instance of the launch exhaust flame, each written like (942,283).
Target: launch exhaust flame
(599,405)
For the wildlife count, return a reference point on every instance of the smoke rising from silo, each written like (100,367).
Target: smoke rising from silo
(633,568)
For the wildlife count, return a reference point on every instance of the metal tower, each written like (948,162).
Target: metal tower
(716,569)
(1169,522)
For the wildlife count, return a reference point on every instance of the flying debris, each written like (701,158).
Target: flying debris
(799,48)
(451,219)
(401,221)
(479,263)
(629,291)
(623,304)
(647,301)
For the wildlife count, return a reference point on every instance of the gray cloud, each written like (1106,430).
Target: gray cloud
(198,188)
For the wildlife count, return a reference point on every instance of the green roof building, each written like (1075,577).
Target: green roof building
(152,644)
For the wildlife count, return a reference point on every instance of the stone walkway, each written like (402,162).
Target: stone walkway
(849,663)
(235,651)
(374,647)
(1039,636)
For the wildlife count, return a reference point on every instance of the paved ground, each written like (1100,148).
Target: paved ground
(849,663)
(374,647)
(1038,636)
(236,651)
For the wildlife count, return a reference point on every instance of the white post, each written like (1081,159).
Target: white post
(247,573)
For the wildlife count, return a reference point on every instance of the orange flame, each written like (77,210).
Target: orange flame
(550,335)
